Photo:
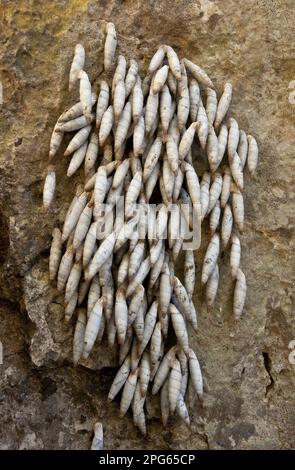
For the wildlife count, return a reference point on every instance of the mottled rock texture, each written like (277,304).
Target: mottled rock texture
(45,403)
